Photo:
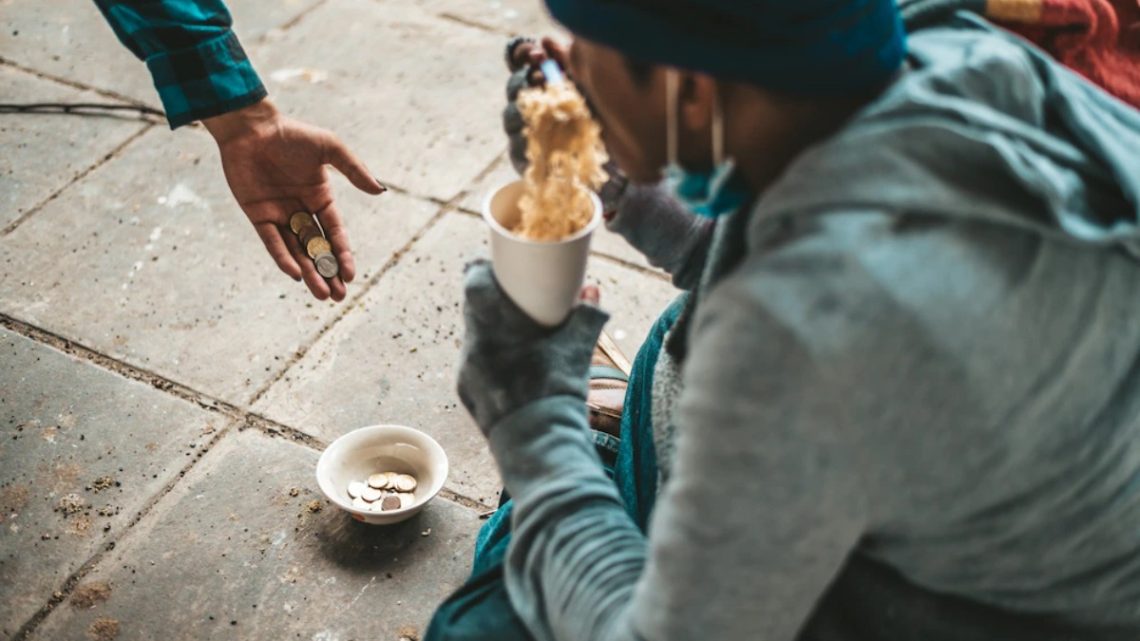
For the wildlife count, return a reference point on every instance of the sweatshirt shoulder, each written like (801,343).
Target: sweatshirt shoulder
(921,306)
(861,268)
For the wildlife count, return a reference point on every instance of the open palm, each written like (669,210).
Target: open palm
(277,167)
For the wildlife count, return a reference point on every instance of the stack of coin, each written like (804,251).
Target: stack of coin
(382,492)
(316,245)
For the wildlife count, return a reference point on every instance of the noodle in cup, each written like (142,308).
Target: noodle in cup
(543,278)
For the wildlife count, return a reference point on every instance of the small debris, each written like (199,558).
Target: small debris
(102,483)
(13,498)
(294,492)
(80,526)
(408,633)
(107,510)
(426,532)
(90,595)
(71,504)
(103,629)
(314,506)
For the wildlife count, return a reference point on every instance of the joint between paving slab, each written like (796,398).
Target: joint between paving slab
(126,370)
(33,210)
(474,24)
(273,429)
(72,581)
(465,501)
(295,20)
(404,191)
(349,306)
(393,260)
(106,93)
(648,271)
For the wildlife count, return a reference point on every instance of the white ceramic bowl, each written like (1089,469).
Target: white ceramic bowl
(382,448)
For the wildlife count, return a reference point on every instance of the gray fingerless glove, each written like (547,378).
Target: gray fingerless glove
(509,361)
(513,123)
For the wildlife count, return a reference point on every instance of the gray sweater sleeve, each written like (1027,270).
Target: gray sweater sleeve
(671,237)
(763,505)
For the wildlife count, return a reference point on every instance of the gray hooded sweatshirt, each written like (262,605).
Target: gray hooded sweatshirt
(910,407)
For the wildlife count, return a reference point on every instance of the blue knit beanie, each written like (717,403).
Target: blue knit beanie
(802,47)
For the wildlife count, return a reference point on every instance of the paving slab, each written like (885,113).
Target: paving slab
(236,552)
(41,153)
(70,39)
(392,360)
(604,242)
(83,450)
(416,96)
(526,17)
(149,260)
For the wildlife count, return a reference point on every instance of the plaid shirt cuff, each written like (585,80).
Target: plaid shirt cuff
(210,79)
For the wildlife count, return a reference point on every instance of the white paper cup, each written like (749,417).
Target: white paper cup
(542,278)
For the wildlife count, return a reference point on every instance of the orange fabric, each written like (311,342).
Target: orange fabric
(1099,39)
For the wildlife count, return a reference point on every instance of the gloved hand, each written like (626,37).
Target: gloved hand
(523,75)
(509,361)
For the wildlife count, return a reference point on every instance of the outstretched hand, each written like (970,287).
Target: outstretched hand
(275,166)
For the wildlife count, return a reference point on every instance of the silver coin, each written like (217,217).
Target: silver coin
(407,499)
(361,504)
(371,494)
(327,265)
(378,480)
(355,488)
(391,502)
(405,482)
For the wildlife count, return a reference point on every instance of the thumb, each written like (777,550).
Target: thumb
(586,322)
(337,155)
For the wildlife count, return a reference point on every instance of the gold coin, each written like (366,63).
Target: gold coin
(308,230)
(298,221)
(307,234)
(316,246)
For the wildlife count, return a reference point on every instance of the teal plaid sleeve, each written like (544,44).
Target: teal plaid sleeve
(196,61)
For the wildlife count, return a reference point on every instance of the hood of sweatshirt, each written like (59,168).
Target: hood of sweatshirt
(982,125)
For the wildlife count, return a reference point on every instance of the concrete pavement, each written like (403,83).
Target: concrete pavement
(165,391)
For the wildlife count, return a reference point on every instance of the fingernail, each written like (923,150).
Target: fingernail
(382,187)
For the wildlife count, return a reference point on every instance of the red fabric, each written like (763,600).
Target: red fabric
(1099,39)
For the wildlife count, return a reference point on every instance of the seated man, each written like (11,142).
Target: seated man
(900,399)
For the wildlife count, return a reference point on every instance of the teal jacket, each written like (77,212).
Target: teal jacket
(198,66)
